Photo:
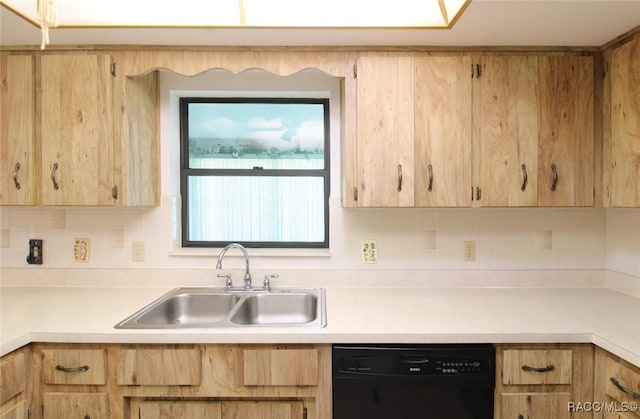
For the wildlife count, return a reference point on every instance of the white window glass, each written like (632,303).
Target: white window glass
(255,171)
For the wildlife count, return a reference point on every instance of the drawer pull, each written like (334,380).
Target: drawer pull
(538,369)
(81,368)
(624,389)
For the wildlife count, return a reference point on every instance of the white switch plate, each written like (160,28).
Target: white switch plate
(469,251)
(137,251)
(369,251)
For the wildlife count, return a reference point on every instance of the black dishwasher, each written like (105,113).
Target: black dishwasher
(413,381)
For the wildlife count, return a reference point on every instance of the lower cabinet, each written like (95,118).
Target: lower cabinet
(122,381)
(616,387)
(217,410)
(535,405)
(543,381)
(14,386)
(76,405)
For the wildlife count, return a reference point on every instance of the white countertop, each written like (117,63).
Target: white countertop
(601,316)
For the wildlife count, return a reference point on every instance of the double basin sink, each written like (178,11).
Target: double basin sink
(218,307)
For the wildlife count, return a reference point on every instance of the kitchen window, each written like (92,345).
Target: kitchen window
(255,171)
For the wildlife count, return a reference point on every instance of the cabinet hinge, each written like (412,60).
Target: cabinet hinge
(113,69)
(304,413)
(114,192)
(355,71)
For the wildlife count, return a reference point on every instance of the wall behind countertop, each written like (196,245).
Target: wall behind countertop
(407,238)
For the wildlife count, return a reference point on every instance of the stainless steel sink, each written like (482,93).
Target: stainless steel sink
(217,307)
(277,308)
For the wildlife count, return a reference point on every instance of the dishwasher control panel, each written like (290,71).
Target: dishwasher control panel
(458,360)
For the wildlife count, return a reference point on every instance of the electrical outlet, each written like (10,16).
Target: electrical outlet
(469,251)
(369,252)
(137,251)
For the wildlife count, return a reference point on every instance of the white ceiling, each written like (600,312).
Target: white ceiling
(485,23)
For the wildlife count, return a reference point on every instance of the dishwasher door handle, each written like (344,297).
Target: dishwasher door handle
(415,360)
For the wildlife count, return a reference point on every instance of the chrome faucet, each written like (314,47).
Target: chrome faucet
(247,275)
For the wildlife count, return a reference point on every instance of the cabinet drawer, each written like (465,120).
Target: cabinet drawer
(159,367)
(18,411)
(544,366)
(626,387)
(12,376)
(76,406)
(535,405)
(179,409)
(280,367)
(74,366)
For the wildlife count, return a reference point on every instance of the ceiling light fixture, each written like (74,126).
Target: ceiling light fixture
(417,14)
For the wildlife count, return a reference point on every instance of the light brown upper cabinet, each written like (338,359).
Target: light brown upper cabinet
(566,145)
(76,125)
(508,117)
(413,131)
(443,131)
(535,130)
(385,132)
(624,144)
(17,137)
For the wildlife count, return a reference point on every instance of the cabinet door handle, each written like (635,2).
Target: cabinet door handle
(81,368)
(538,369)
(399,178)
(525,177)
(625,389)
(430,169)
(554,180)
(54,168)
(15,175)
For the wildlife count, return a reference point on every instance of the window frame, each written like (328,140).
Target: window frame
(186,171)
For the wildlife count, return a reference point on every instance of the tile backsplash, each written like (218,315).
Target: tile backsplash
(506,239)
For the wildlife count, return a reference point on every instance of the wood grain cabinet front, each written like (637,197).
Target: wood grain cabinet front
(156,367)
(76,406)
(535,124)
(74,366)
(617,387)
(218,410)
(76,125)
(541,381)
(413,131)
(17,133)
(622,113)
(14,383)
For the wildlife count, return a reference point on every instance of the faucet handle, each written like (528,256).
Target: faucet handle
(228,283)
(267,281)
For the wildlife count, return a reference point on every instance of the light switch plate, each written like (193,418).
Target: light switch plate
(369,252)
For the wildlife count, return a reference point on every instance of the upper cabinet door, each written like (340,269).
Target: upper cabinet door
(566,144)
(76,130)
(17,119)
(624,79)
(443,131)
(385,136)
(508,118)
